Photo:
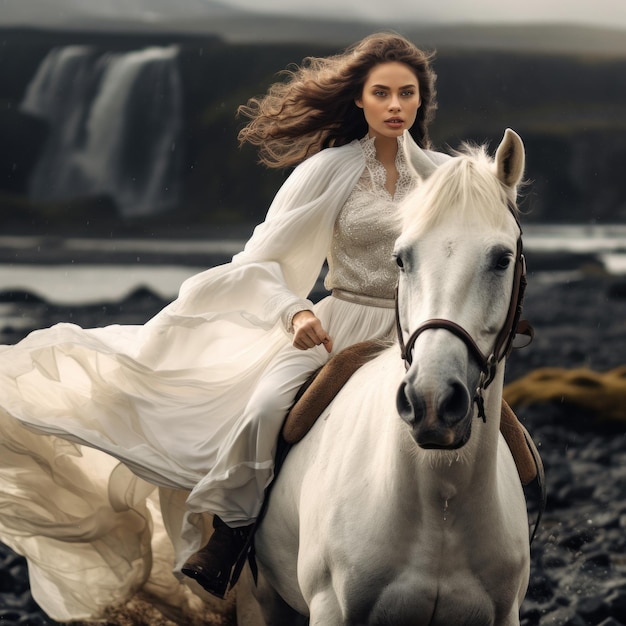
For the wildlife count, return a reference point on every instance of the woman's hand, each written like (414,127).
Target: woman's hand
(308,332)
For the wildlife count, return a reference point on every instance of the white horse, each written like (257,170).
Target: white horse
(400,506)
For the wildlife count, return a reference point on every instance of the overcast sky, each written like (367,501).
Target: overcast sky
(598,12)
(610,13)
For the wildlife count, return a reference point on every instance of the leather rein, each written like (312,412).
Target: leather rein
(504,341)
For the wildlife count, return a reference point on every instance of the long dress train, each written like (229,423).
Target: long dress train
(108,435)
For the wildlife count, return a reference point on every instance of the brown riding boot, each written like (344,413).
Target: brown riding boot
(212,565)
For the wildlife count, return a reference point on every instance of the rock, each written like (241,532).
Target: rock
(593,609)
(616,602)
(610,621)
(565,616)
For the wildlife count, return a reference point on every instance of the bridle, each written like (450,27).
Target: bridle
(504,342)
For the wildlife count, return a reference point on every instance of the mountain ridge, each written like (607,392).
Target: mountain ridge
(197,18)
(568,107)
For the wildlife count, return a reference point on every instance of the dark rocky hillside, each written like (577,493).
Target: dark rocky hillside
(569,109)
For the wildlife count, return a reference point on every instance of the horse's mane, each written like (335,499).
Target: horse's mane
(466,186)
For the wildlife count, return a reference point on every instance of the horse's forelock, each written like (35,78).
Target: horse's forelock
(465,189)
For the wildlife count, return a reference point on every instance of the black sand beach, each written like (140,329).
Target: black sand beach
(578,572)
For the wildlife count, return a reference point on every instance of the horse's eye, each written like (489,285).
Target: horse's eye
(503,262)
(399,261)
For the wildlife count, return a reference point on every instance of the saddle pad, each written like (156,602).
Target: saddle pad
(323,385)
(520,443)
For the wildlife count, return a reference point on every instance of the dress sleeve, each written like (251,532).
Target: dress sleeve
(271,278)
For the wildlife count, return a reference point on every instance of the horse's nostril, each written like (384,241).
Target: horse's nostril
(442,407)
(403,403)
(455,404)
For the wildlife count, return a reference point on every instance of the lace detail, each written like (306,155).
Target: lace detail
(378,175)
(359,260)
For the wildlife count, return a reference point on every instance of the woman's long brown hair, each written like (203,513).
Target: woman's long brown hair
(314,107)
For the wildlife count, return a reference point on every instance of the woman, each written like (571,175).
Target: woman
(192,401)
(371,96)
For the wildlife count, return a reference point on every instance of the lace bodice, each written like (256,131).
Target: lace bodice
(359,260)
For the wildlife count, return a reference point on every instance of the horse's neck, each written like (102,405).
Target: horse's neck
(380,450)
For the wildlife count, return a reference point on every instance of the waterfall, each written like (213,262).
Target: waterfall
(115,121)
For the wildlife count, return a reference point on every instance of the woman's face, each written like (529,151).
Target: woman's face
(390,99)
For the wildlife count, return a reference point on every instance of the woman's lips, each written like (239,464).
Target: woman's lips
(394,122)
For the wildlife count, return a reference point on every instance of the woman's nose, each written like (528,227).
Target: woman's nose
(394,105)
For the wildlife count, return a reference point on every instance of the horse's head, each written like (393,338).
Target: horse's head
(460,259)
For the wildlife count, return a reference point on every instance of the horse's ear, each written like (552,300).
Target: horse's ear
(417,158)
(510,159)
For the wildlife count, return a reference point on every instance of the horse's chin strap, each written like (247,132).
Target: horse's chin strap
(504,341)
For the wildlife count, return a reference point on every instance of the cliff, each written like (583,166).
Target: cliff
(569,109)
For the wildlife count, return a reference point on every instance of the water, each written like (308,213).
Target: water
(580,238)
(160,265)
(607,242)
(115,122)
(69,282)
(88,284)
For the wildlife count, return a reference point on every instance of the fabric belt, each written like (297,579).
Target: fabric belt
(358,298)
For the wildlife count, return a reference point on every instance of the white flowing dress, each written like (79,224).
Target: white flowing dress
(115,442)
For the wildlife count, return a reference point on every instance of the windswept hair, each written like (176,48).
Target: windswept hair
(314,107)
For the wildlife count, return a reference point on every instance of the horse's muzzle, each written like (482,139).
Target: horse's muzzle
(440,417)
(442,438)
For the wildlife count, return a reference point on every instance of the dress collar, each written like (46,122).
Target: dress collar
(406,178)
(369,147)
